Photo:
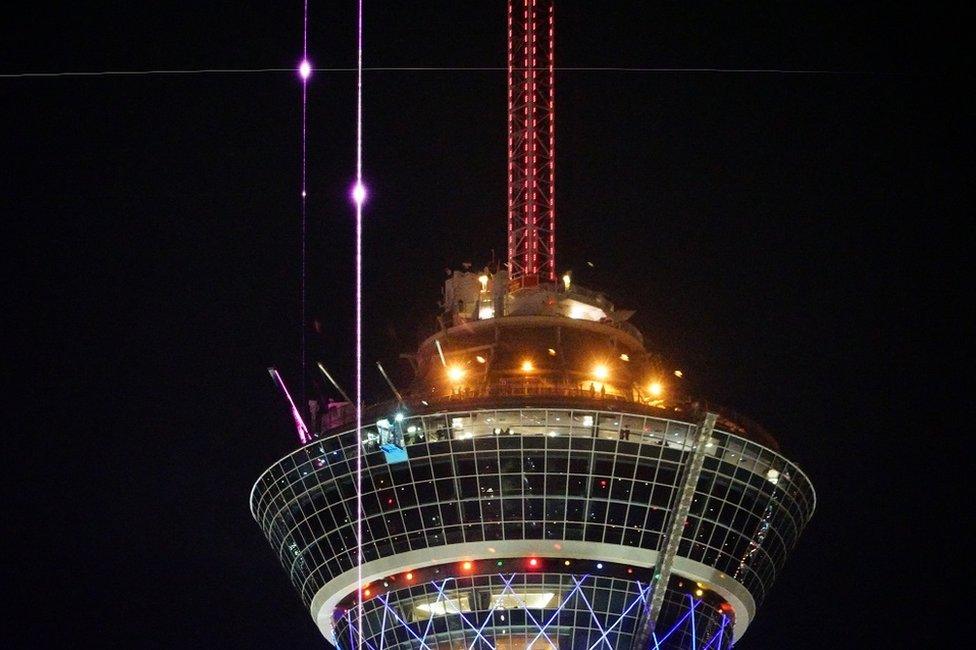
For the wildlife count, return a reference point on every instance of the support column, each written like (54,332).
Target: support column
(669,545)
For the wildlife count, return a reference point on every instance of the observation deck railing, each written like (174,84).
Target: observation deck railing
(545,394)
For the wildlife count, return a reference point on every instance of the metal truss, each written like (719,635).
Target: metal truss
(531,143)
(679,518)
(479,628)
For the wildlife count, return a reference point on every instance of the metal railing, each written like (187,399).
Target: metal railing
(503,391)
(344,414)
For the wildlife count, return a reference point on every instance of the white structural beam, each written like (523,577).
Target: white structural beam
(679,516)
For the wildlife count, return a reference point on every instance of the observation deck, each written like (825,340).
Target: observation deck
(525,493)
(494,487)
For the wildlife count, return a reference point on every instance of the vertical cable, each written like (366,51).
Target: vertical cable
(304,71)
(359,195)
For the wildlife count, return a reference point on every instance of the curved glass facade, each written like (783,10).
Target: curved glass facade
(554,474)
(542,611)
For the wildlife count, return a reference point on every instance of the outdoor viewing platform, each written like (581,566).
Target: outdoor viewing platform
(524,395)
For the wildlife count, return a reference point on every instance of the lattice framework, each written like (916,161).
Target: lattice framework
(531,143)
(492,629)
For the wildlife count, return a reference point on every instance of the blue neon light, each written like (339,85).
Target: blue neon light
(609,628)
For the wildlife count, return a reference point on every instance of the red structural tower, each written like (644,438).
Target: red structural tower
(531,144)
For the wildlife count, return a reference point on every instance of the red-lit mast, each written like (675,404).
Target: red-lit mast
(531,144)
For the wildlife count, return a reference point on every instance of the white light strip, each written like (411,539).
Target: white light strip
(440,352)
(359,196)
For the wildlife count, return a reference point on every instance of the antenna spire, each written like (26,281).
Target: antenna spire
(531,144)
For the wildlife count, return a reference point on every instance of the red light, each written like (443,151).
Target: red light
(366,592)
(530,93)
(466,566)
(409,576)
(534,562)
(389,502)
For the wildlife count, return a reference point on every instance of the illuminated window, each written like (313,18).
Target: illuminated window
(529,600)
(441,607)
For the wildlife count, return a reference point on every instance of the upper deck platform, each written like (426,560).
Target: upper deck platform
(528,394)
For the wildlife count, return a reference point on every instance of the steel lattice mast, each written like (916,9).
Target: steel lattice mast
(531,144)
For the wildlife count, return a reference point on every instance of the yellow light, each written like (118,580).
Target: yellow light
(567,280)
(655,389)
(483,279)
(527,366)
(480,359)
(601,372)
(678,373)
(552,352)
(455,373)
(625,357)
(699,593)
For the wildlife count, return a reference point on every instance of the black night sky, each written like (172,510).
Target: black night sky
(794,242)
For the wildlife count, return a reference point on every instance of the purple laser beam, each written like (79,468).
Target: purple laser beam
(304,71)
(303,435)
